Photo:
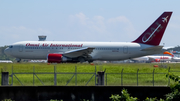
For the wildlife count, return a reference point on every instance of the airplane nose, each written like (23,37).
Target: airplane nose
(7,51)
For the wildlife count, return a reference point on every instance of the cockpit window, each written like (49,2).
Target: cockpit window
(10,46)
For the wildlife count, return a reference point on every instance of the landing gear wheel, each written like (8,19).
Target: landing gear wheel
(81,59)
(18,60)
(90,61)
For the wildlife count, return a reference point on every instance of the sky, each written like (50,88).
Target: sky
(83,20)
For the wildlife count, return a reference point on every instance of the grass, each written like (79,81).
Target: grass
(113,75)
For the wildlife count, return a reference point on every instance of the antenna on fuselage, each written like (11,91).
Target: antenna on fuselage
(42,38)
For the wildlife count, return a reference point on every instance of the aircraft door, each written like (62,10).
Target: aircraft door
(125,49)
(20,48)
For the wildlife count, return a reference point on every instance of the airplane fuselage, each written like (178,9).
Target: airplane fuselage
(107,51)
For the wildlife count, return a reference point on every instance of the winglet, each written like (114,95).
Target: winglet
(154,34)
(166,52)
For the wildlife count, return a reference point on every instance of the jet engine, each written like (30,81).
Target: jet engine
(57,58)
(157,60)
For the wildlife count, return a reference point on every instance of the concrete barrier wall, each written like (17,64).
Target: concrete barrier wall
(77,93)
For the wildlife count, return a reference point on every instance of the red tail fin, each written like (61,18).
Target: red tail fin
(153,35)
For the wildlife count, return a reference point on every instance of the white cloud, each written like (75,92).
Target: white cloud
(97,25)
(119,19)
(127,25)
(99,20)
(82,18)
(94,24)
(78,18)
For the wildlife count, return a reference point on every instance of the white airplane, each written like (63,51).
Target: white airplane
(153,58)
(67,51)
(158,58)
(6,61)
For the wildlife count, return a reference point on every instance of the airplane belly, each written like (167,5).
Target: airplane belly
(33,55)
(106,55)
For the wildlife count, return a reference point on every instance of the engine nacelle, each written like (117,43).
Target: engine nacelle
(157,60)
(56,58)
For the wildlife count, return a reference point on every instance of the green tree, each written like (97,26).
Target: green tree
(3,56)
(125,96)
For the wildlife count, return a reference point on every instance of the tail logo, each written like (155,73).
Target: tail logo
(149,36)
(165,19)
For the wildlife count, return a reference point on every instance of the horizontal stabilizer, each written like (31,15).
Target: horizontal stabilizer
(155,48)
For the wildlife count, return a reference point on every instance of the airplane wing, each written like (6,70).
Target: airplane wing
(151,59)
(79,52)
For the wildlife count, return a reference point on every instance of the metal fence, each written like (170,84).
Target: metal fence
(137,78)
(110,79)
(55,73)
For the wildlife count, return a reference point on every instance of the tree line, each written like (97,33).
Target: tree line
(3,56)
